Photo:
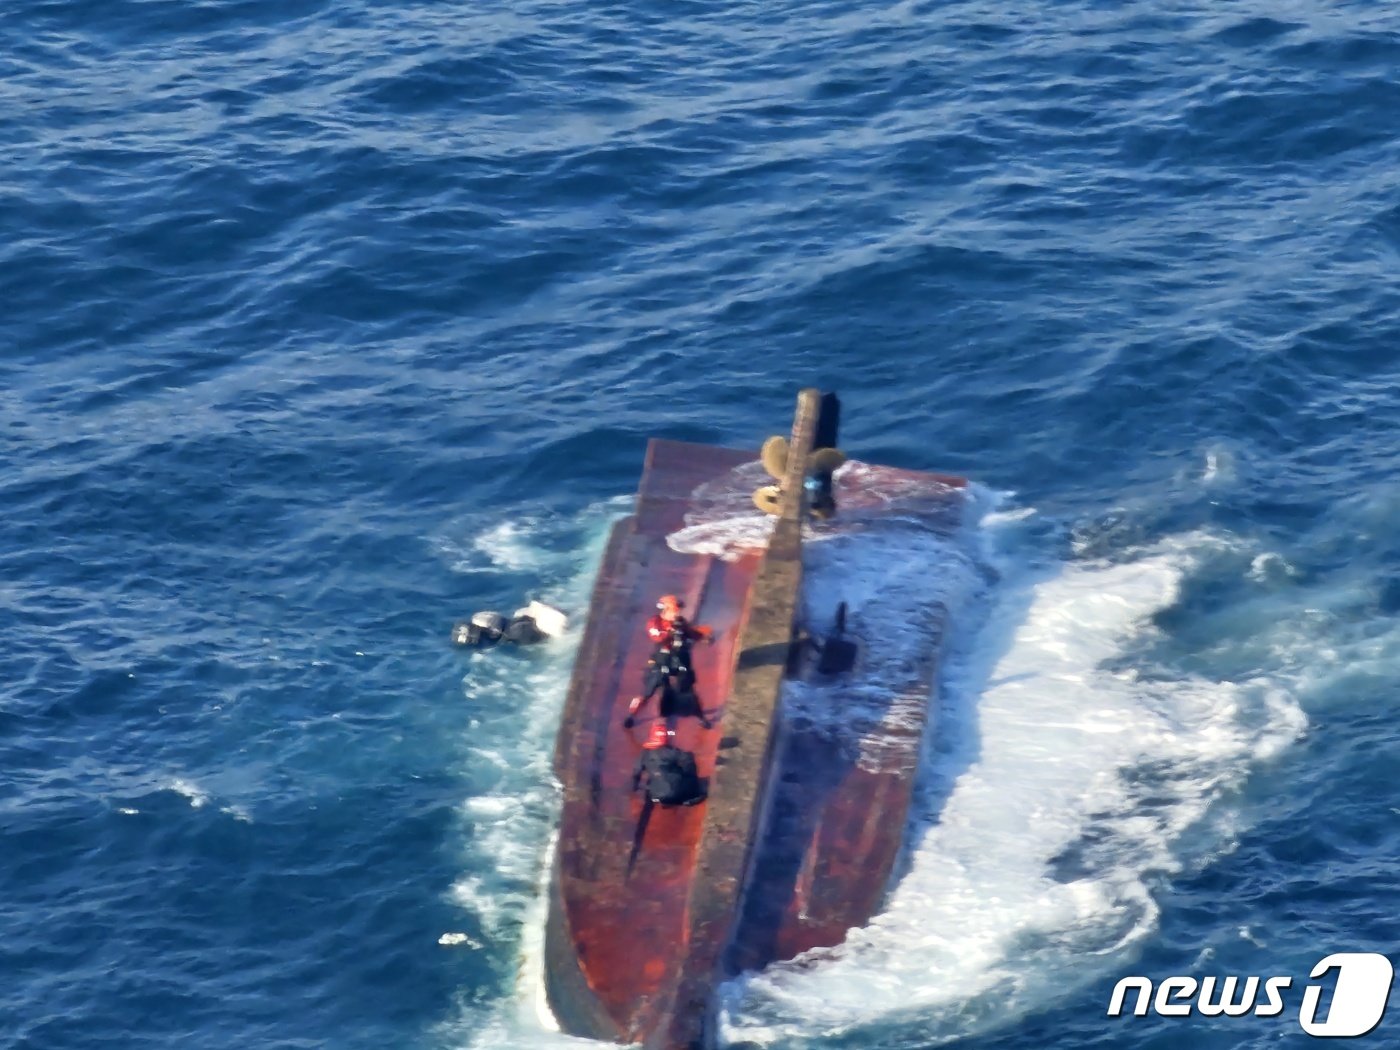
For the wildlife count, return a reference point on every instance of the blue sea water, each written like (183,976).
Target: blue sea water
(326,324)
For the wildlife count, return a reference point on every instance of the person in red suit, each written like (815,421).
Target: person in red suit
(669,628)
(670,665)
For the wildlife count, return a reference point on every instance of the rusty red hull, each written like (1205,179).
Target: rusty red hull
(631,949)
(618,930)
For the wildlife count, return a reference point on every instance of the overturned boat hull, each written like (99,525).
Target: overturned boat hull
(620,926)
(651,907)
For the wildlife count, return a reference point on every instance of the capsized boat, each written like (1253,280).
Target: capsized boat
(817,709)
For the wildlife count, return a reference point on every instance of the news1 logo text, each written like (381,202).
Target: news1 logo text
(1359,996)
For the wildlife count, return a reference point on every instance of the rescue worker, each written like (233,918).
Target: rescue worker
(670,663)
(668,628)
(670,775)
(672,634)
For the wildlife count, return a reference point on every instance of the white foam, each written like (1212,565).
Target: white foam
(513,702)
(1074,785)
(509,546)
(452,940)
(903,580)
(199,798)
(1271,568)
(523,1019)
(722,521)
(1228,465)
(192,791)
(727,538)
(1213,466)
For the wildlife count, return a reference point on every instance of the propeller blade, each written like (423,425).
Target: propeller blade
(769,499)
(826,460)
(775,456)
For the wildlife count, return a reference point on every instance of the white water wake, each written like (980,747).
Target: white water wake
(1064,780)
(515,700)
(1059,788)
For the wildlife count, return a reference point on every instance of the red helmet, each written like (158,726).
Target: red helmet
(660,735)
(669,605)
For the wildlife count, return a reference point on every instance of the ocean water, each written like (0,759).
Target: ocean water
(327,324)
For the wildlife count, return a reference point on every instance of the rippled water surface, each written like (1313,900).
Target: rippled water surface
(326,324)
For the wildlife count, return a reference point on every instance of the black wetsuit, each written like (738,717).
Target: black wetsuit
(669,671)
(671,658)
(668,664)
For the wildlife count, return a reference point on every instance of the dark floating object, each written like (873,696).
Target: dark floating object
(529,626)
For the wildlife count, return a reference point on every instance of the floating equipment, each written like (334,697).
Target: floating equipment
(547,618)
(529,626)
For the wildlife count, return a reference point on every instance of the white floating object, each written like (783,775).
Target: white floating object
(548,619)
(451,939)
